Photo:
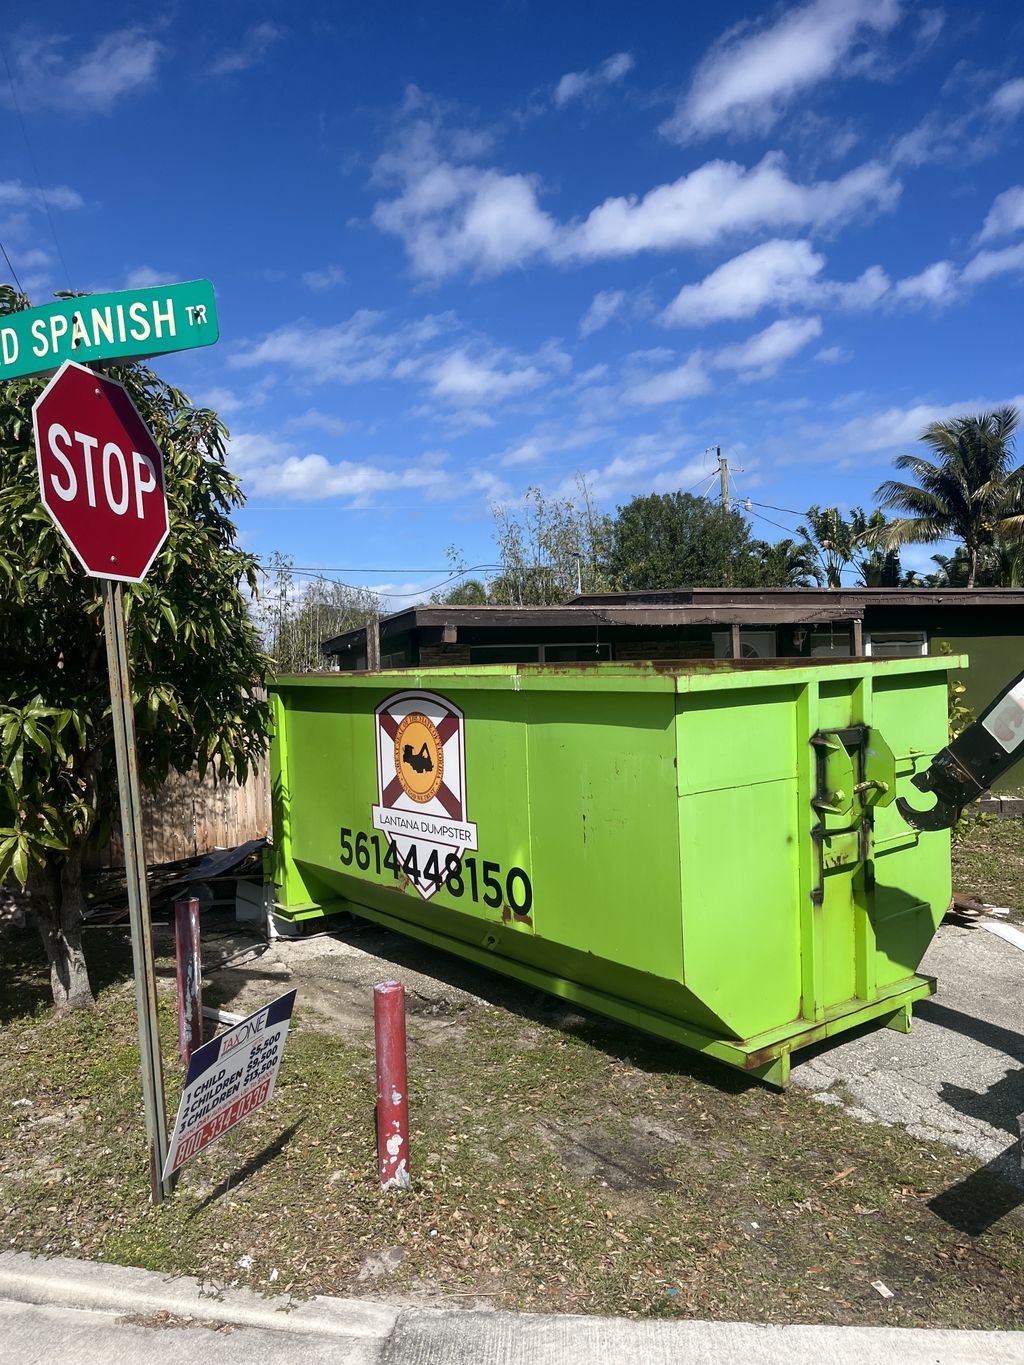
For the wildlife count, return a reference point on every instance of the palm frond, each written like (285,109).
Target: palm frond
(914,531)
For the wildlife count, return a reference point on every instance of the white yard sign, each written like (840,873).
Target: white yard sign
(228,1079)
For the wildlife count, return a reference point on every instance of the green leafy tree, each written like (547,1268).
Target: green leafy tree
(197,666)
(471,592)
(968,492)
(999,566)
(465,592)
(786,564)
(674,540)
(549,547)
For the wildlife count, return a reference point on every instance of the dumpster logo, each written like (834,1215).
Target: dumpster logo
(421,786)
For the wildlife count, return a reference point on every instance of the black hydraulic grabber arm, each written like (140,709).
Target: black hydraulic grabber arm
(969,764)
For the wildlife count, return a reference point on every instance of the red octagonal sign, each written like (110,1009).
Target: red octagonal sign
(100,473)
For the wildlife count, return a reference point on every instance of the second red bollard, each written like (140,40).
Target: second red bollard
(392,1090)
(190,977)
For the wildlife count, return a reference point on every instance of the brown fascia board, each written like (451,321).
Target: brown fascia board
(614,613)
(860,597)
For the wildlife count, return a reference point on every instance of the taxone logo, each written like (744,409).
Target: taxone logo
(421,783)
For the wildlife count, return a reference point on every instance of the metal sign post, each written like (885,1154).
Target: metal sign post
(122,713)
(101,479)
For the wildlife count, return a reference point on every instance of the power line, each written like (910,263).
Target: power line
(327,575)
(791,510)
(770,522)
(314,569)
(35,169)
(14,273)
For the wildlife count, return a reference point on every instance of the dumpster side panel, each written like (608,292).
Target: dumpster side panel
(605,840)
(739,853)
(912,870)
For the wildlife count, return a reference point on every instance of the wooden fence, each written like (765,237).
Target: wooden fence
(186,817)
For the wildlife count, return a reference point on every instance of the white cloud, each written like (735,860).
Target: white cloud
(143,276)
(321,280)
(577,85)
(550,439)
(459,378)
(322,421)
(119,64)
(990,263)
(832,355)
(603,308)
(222,400)
(788,274)
(350,352)
(1008,100)
(35,269)
(890,428)
(270,466)
(751,74)
(776,273)
(469,377)
(866,291)
(688,380)
(14,195)
(649,464)
(723,197)
(760,356)
(1006,214)
(936,284)
(256,43)
(967,136)
(454,217)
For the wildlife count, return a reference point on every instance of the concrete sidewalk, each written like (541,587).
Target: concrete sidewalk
(87,1312)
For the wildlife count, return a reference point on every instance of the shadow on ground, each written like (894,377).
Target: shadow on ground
(25,975)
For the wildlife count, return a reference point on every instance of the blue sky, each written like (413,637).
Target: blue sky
(463,249)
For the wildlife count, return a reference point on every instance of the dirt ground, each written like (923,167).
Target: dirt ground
(560,1162)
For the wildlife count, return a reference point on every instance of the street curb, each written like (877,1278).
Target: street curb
(446,1336)
(59,1281)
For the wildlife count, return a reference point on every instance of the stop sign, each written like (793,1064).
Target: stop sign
(101,475)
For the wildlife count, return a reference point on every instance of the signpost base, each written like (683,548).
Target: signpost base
(122,715)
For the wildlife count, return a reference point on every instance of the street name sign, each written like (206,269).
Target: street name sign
(130,324)
(101,474)
(228,1079)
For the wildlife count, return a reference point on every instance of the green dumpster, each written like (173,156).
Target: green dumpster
(707,851)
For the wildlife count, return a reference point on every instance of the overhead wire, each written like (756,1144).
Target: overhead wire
(14,273)
(35,169)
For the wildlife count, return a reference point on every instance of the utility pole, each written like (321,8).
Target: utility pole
(723,479)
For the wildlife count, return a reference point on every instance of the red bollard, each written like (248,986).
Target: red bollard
(392,1090)
(190,977)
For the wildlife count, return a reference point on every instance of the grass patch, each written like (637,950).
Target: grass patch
(562,1166)
(988,863)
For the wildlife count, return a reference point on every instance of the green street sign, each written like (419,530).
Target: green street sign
(129,325)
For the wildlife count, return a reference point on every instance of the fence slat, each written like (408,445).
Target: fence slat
(186,817)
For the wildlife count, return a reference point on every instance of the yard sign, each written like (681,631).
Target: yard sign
(228,1079)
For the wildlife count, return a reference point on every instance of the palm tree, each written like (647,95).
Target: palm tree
(830,539)
(786,564)
(969,493)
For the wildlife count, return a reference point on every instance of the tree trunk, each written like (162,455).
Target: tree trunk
(57,902)
(972,564)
